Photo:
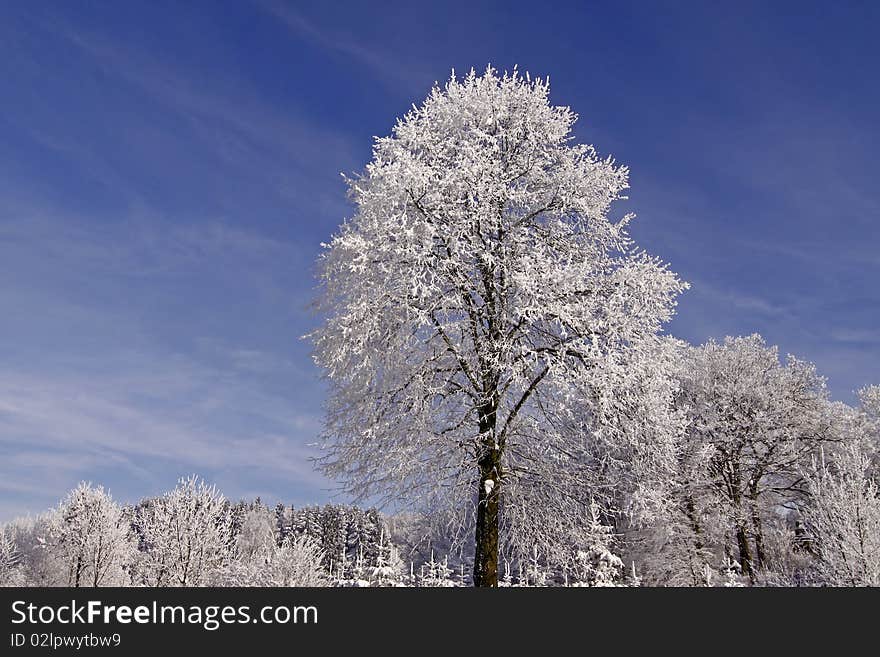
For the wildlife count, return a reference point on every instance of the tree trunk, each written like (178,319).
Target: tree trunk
(739,517)
(79,570)
(760,553)
(757,528)
(691,513)
(489,496)
(745,552)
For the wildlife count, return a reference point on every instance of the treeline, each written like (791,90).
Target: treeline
(191,536)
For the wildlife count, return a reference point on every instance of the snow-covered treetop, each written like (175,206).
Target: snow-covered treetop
(870,398)
(762,414)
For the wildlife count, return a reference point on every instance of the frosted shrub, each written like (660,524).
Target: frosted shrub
(296,562)
(437,574)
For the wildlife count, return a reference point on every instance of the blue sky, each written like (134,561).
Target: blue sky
(168,170)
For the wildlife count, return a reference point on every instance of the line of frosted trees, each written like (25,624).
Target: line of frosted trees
(770,483)
(191,536)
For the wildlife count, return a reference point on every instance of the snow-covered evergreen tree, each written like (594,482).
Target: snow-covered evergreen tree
(596,564)
(282,523)
(437,574)
(333,531)
(387,564)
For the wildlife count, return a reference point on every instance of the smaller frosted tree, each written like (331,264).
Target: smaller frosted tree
(256,534)
(753,423)
(257,558)
(296,562)
(843,519)
(88,535)
(870,397)
(870,415)
(185,535)
(35,565)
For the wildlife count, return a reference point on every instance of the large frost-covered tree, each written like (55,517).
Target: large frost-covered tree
(480,283)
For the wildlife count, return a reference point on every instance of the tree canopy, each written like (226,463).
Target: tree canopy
(479,292)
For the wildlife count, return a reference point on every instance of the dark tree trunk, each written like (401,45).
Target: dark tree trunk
(739,516)
(79,570)
(488,498)
(691,513)
(760,553)
(745,552)
(757,527)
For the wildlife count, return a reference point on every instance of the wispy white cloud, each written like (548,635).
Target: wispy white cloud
(742,301)
(856,336)
(215,135)
(139,242)
(93,391)
(392,70)
(229,102)
(59,429)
